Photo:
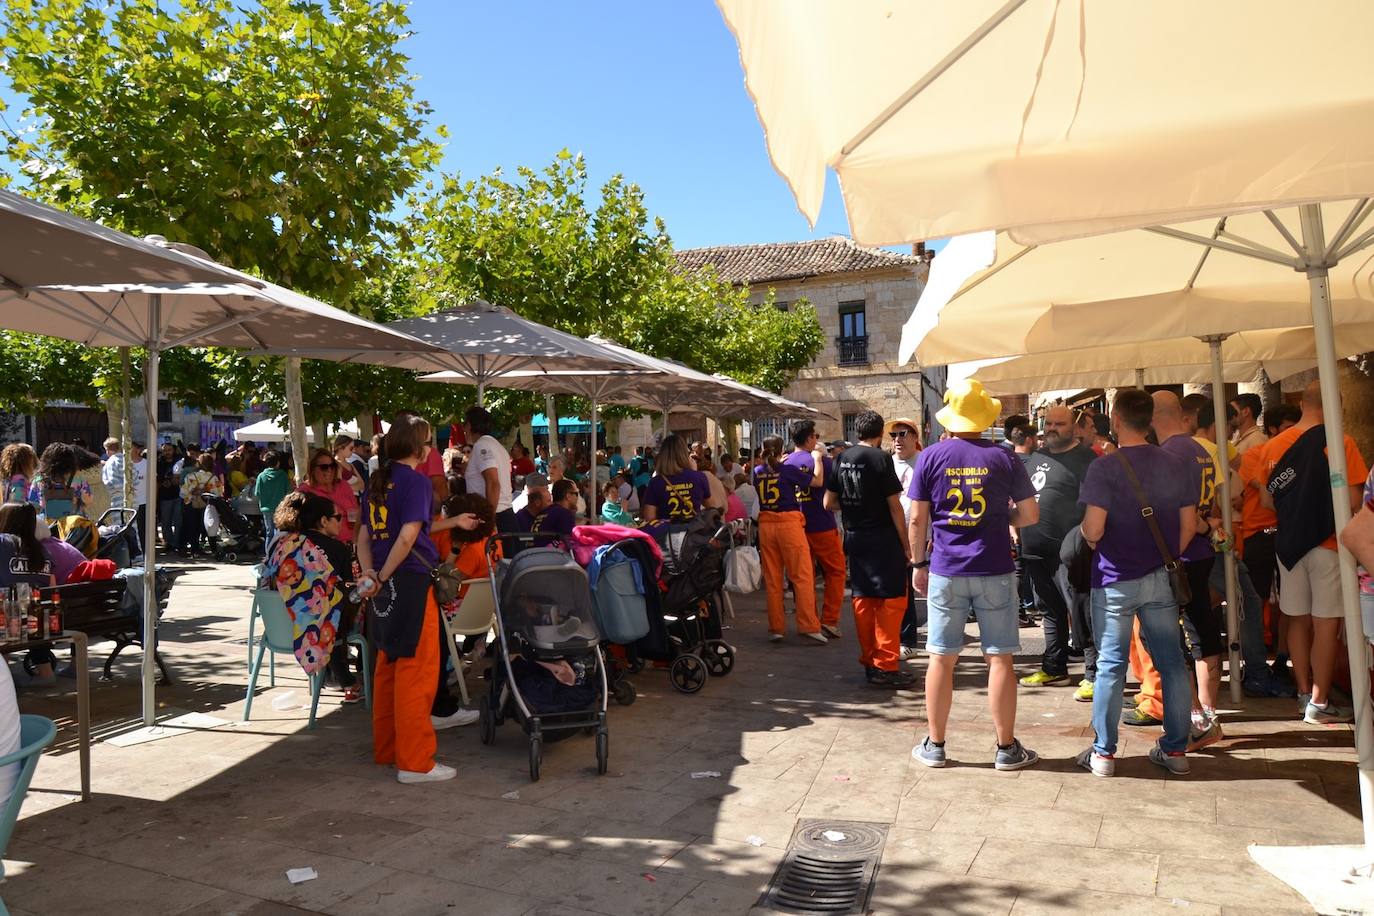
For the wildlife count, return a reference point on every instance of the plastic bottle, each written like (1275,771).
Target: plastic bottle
(362,585)
(14,621)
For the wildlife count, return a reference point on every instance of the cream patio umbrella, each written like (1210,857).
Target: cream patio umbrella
(240,311)
(1057,120)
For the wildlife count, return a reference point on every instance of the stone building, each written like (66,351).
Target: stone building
(862,296)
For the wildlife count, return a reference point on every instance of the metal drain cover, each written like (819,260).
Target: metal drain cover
(829,868)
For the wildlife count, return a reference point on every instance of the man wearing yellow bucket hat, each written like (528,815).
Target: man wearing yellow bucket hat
(968,493)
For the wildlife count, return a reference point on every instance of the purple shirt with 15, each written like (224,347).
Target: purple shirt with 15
(970,485)
(778,489)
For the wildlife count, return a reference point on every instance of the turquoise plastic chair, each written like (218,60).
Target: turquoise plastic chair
(278,635)
(35,733)
(259,573)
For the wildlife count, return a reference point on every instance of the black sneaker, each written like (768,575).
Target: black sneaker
(895,679)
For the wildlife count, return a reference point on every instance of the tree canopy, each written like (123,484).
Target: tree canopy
(282,137)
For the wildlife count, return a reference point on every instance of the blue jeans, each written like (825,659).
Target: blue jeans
(1252,651)
(992,600)
(1115,609)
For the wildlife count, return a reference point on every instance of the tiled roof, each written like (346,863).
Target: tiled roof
(791,260)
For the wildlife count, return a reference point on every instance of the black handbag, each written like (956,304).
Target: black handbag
(1178,578)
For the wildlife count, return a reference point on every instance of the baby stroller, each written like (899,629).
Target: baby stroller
(690,637)
(544,615)
(119,537)
(236,537)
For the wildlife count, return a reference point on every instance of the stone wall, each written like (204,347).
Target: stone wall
(889,297)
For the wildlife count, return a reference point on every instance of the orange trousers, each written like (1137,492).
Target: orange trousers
(1151,697)
(783,548)
(827,552)
(878,623)
(403,692)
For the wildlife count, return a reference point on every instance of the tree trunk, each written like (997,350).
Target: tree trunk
(295,416)
(1357,397)
(551,414)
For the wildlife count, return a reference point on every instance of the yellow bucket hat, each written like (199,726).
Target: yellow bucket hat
(968,407)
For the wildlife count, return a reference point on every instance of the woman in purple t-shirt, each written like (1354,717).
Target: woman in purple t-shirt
(396,554)
(678,491)
(782,542)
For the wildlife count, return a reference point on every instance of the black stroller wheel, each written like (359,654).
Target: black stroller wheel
(624,693)
(635,666)
(719,658)
(688,674)
(231,557)
(603,750)
(536,756)
(486,724)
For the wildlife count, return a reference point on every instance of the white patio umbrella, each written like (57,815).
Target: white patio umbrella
(481,342)
(273,431)
(1056,120)
(240,311)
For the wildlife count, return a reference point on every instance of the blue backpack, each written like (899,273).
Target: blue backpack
(621,613)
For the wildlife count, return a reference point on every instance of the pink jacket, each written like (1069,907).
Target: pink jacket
(586,538)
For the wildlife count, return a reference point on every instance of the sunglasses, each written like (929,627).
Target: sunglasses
(898,434)
(337,516)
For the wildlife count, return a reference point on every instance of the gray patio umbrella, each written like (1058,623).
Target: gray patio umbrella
(241,312)
(41,245)
(481,343)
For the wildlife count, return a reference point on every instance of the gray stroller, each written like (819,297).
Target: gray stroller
(551,676)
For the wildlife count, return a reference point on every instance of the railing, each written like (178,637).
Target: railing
(853,350)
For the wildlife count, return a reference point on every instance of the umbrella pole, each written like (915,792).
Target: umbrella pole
(150,526)
(591,497)
(1314,242)
(126,433)
(1140,379)
(1227,519)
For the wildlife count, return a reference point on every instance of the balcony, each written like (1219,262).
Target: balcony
(853,351)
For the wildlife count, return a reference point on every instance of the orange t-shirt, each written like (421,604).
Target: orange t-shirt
(1254,517)
(1355,468)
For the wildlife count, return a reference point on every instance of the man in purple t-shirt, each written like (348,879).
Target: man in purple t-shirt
(822,533)
(1202,620)
(970,492)
(1130,581)
(560,517)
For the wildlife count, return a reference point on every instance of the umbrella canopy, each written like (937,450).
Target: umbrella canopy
(996,297)
(272,431)
(480,343)
(1277,352)
(41,245)
(1058,119)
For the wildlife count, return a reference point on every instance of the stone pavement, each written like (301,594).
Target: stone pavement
(209,822)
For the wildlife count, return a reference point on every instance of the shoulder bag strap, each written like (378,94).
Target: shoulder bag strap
(1147,512)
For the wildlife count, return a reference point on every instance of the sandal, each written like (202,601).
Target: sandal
(352,695)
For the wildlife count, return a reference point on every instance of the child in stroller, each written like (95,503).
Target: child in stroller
(551,676)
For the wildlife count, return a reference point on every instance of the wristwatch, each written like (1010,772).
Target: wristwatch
(918,565)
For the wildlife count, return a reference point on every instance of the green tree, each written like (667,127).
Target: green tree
(537,243)
(277,136)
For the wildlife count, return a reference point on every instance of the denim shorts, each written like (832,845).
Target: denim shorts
(993,601)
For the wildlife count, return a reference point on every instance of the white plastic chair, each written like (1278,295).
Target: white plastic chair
(475,617)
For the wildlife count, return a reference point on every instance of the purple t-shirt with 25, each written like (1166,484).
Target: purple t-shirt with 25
(778,489)
(812,499)
(1128,550)
(409,496)
(970,485)
(1202,483)
(678,498)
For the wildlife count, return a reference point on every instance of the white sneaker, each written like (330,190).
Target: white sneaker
(818,638)
(461,717)
(440,773)
(776,637)
(1095,763)
(910,652)
(830,632)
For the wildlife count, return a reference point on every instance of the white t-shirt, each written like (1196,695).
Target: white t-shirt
(141,482)
(10,740)
(904,471)
(488,453)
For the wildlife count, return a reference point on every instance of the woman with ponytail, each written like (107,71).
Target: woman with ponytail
(397,555)
(782,542)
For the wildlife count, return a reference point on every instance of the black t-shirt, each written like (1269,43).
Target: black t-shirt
(15,568)
(339,555)
(864,478)
(1057,478)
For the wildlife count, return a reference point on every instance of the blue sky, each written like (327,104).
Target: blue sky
(651,89)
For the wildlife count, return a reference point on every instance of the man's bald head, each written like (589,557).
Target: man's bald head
(1059,413)
(1312,395)
(1168,416)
